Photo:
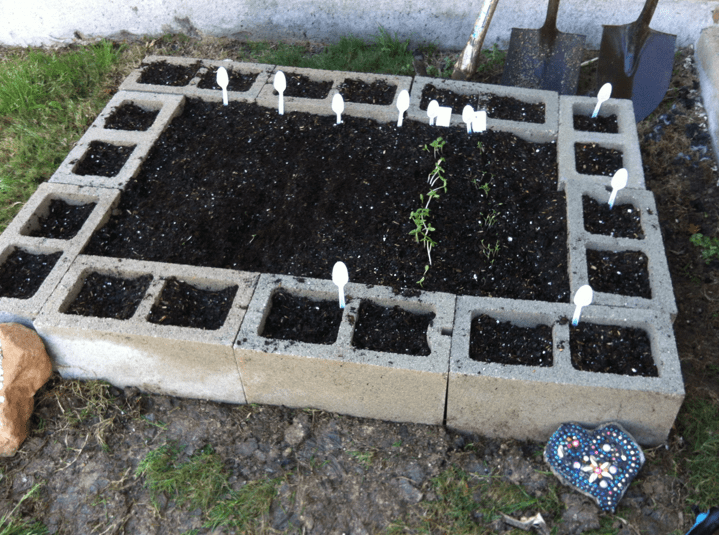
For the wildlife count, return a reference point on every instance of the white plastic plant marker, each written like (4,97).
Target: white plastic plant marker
(402,105)
(432,109)
(338,106)
(479,123)
(582,298)
(222,81)
(444,115)
(340,278)
(619,180)
(604,93)
(280,85)
(467,117)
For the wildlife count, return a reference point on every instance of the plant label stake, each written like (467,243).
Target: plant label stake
(619,180)
(338,106)
(604,93)
(402,105)
(582,298)
(479,123)
(222,81)
(280,85)
(340,278)
(432,110)
(444,116)
(468,116)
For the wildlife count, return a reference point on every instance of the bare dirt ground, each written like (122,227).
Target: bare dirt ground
(329,473)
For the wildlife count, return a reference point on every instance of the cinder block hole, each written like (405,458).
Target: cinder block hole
(379,93)
(302,318)
(502,342)
(22,272)
(299,85)
(238,81)
(164,73)
(620,221)
(607,124)
(392,329)
(109,296)
(59,219)
(619,272)
(103,159)
(447,98)
(508,108)
(592,159)
(611,349)
(136,116)
(184,305)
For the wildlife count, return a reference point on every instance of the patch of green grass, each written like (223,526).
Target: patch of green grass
(47,100)
(363,457)
(699,420)
(241,509)
(82,402)
(11,526)
(709,246)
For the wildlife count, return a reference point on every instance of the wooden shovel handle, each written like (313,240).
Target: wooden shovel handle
(550,24)
(467,63)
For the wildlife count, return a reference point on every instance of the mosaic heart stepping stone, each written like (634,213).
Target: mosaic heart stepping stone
(599,463)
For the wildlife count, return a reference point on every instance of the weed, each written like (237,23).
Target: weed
(242,508)
(10,526)
(86,401)
(363,457)
(709,246)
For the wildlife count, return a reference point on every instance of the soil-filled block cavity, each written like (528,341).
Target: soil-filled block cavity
(530,114)
(391,329)
(166,73)
(302,319)
(494,340)
(105,296)
(155,356)
(22,272)
(639,275)
(531,402)
(130,116)
(103,159)
(611,349)
(341,377)
(592,150)
(58,218)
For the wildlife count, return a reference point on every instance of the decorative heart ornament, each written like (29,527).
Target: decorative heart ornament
(600,463)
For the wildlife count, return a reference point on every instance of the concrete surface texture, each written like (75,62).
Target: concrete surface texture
(448,23)
(707,53)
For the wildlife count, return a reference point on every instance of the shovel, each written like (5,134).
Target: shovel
(637,62)
(545,58)
(467,63)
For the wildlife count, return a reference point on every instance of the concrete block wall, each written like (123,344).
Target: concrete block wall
(243,366)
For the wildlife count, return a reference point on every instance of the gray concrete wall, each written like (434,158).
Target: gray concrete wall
(447,23)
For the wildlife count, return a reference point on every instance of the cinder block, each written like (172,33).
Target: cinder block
(167,359)
(526,402)
(385,113)
(169,106)
(660,282)
(262,71)
(17,235)
(626,140)
(536,132)
(707,62)
(340,377)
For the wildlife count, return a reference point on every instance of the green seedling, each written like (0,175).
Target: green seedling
(420,281)
(489,219)
(708,245)
(489,251)
(438,144)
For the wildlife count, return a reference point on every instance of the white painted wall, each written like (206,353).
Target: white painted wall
(446,23)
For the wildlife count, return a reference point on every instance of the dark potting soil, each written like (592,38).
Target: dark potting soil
(63,220)
(103,159)
(620,221)
(293,194)
(105,296)
(445,97)
(302,319)
(163,73)
(591,159)
(611,349)
(130,116)
(23,273)
(237,81)
(599,124)
(622,272)
(379,92)
(184,305)
(492,340)
(299,85)
(391,330)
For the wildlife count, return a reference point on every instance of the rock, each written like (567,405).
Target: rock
(24,367)
(296,433)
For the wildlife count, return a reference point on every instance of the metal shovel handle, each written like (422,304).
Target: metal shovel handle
(469,59)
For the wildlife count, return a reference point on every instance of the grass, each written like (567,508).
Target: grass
(699,421)
(11,526)
(200,482)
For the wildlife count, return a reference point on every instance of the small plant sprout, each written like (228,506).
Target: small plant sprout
(338,106)
(619,180)
(438,144)
(604,93)
(432,111)
(490,251)
(426,269)
(280,84)
(340,278)
(402,105)
(582,298)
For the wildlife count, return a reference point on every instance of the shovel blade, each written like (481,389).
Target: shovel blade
(538,63)
(641,75)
